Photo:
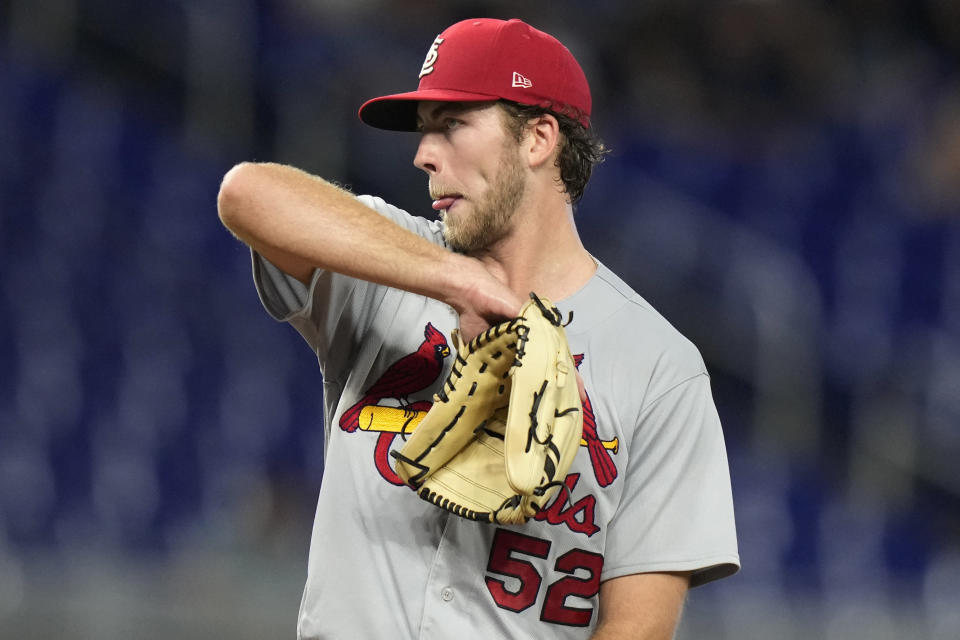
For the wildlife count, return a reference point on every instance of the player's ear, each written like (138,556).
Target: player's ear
(542,139)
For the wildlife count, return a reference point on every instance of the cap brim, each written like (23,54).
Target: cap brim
(398,112)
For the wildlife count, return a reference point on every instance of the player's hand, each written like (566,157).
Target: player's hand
(473,323)
(483,300)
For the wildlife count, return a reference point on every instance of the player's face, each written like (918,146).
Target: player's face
(477,179)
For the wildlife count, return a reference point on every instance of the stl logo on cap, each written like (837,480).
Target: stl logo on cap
(431,58)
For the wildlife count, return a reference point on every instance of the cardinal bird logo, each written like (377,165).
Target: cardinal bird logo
(604,469)
(410,374)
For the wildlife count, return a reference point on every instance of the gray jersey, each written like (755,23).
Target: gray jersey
(649,489)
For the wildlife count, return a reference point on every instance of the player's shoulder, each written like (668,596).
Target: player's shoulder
(620,322)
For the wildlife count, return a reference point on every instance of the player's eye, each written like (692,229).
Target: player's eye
(451,123)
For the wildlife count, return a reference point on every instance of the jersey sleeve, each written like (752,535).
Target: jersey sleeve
(334,309)
(676,510)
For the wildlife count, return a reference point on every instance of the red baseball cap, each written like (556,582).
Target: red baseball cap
(485,59)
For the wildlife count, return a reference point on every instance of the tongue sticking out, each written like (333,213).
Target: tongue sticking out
(443,203)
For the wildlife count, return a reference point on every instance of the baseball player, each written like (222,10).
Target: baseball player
(503,115)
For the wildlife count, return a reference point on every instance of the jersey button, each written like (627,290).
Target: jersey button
(447,594)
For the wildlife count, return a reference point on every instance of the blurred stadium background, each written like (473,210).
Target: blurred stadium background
(784,186)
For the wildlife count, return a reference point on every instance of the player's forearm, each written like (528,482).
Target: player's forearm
(644,606)
(301,222)
(627,632)
(657,624)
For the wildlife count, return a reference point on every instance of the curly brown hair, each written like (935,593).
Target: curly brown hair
(581,149)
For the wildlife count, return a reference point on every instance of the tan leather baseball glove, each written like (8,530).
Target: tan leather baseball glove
(504,429)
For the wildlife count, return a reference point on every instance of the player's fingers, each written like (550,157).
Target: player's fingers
(472,325)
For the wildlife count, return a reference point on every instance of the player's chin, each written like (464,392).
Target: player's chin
(453,240)
(457,238)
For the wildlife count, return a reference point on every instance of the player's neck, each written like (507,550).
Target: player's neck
(543,252)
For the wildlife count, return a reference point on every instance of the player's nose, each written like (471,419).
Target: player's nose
(427,158)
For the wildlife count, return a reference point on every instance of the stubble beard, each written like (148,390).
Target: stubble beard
(491,217)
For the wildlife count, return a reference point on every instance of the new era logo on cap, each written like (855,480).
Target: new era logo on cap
(520,81)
